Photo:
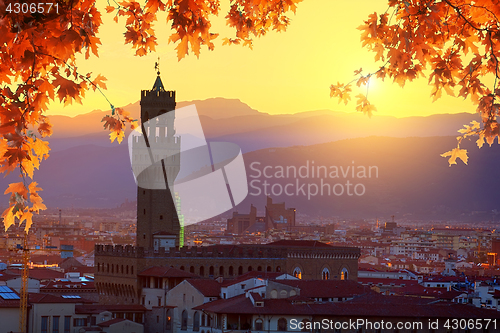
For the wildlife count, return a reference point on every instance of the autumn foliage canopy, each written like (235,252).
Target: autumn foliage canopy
(38,47)
(453,42)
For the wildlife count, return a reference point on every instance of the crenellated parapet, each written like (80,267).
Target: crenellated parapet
(237,251)
(155,95)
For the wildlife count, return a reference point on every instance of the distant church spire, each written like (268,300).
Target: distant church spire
(158,86)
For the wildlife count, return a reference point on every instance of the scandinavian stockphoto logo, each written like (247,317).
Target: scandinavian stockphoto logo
(205,179)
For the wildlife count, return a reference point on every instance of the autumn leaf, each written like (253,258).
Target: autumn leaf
(118,135)
(363,105)
(99,82)
(28,217)
(456,153)
(35,198)
(8,217)
(19,188)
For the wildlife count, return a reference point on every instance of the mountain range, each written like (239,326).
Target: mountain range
(231,120)
(86,170)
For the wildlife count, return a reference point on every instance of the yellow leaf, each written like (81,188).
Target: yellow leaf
(456,153)
(480,141)
(8,217)
(118,135)
(17,188)
(28,217)
(29,167)
(41,148)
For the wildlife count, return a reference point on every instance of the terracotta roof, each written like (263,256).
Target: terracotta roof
(209,288)
(386,282)
(98,308)
(386,307)
(35,298)
(495,294)
(70,262)
(67,285)
(111,322)
(418,290)
(327,288)
(82,270)
(252,275)
(45,274)
(168,272)
(4,276)
(257,297)
(301,243)
(444,279)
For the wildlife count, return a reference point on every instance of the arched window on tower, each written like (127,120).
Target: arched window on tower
(325,274)
(297,273)
(344,274)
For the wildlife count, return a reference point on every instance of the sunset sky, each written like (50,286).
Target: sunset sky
(284,73)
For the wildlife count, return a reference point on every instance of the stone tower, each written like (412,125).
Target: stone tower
(157,220)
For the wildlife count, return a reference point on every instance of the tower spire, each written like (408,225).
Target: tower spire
(158,86)
(157,66)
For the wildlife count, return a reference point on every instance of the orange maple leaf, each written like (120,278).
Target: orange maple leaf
(456,153)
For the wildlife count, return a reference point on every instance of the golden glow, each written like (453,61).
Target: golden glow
(284,73)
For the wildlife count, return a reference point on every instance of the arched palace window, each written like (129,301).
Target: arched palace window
(297,273)
(344,274)
(325,274)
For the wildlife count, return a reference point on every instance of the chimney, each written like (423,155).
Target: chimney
(60,217)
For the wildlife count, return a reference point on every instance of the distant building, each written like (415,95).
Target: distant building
(276,217)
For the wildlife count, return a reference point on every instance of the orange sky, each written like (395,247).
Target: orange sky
(285,72)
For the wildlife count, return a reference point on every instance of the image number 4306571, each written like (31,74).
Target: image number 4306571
(32,8)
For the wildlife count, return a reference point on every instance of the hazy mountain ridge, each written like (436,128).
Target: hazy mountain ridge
(412,178)
(86,170)
(233,121)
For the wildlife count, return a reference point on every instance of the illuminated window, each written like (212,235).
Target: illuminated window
(344,274)
(325,274)
(297,273)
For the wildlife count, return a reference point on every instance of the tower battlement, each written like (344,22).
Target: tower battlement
(157,94)
(237,251)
